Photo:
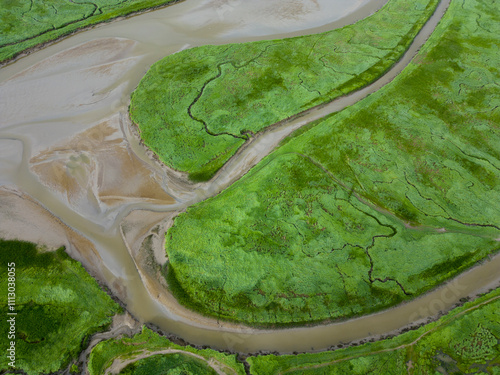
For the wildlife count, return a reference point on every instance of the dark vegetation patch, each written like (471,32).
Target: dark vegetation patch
(58,307)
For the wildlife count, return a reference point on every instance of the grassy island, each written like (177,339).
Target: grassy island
(195,108)
(58,306)
(465,341)
(26,24)
(368,207)
(150,353)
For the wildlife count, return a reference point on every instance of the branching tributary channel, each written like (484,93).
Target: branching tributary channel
(89,87)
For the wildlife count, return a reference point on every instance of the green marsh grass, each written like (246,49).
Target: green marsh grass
(195,108)
(58,305)
(373,205)
(168,363)
(104,353)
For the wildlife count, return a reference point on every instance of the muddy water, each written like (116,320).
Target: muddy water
(64,140)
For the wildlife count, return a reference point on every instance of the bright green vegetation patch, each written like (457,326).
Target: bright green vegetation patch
(25,24)
(58,305)
(195,108)
(465,341)
(376,204)
(168,364)
(177,358)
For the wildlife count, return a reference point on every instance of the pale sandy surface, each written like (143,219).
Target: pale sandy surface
(23,218)
(73,89)
(89,170)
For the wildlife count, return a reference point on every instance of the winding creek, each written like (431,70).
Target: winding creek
(66,142)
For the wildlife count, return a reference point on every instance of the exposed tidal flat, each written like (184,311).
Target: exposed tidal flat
(364,209)
(196,108)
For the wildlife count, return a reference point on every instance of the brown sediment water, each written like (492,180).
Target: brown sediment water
(65,141)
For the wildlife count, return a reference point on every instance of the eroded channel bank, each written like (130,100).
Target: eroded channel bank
(100,220)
